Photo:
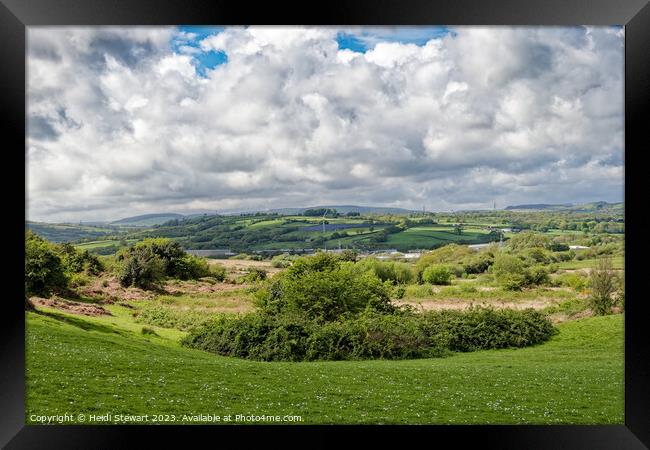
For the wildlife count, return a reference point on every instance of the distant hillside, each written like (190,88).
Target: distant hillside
(582,207)
(344,209)
(147,220)
(67,232)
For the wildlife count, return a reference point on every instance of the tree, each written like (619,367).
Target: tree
(603,281)
(44,271)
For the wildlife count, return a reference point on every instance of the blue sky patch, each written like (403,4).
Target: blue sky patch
(363,39)
(203,60)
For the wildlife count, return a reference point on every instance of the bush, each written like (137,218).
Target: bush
(437,274)
(478,263)
(324,287)
(171,318)
(603,282)
(573,280)
(75,261)
(151,260)
(395,272)
(44,271)
(149,331)
(253,275)
(218,272)
(451,253)
(512,274)
(141,268)
(190,267)
(528,239)
(369,335)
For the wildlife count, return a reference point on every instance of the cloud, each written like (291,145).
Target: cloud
(129,120)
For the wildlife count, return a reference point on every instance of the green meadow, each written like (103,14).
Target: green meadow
(99,365)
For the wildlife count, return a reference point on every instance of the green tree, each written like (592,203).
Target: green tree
(44,271)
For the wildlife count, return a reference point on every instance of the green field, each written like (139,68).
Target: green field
(105,365)
(617,263)
(101,244)
(432,236)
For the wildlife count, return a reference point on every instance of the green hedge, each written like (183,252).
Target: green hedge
(370,335)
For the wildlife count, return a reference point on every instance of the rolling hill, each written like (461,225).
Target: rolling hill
(147,220)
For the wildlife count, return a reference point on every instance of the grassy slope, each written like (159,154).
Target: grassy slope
(101,365)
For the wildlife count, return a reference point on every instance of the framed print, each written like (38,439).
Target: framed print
(381,219)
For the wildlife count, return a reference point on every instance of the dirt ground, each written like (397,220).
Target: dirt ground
(69,306)
(433,305)
(239,266)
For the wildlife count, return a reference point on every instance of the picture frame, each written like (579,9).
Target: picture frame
(17,15)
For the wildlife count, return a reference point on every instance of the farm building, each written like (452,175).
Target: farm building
(577,247)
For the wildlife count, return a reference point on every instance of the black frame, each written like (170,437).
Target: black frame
(15,15)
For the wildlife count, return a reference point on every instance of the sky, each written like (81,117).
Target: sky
(134,120)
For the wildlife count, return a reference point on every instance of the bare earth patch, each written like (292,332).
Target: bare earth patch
(460,304)
(239,266)
(70,306)
(109,289)
(200,287)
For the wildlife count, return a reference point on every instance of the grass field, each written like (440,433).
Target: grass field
(100,244)
(617,263)
(435,236)
(98,365)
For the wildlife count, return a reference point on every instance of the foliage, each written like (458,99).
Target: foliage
(76,261)
(253,275)
(44,271)
(149,331)
(575,281)
(603,283)
(190,267)
(218,272)
(151,260)
(323,287)
(393,271)
(141,268)
(437,274)
(526,240)
(513,274)
(171,318)
(478,263)
(370,335)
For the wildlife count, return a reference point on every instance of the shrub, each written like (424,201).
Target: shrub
(437,274)
(253,275)
(141,268)
(324,287)
(485,328)
(44,271)
(149,331)
(395,272)
(190,267)
(603,283)
(75,261)
(170,318)
(537,275)
(478,263)
(509,271)
(573,280)
(218,272)
(528,239)
(451,253)
(369,335)
(151,260)
(78,279)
